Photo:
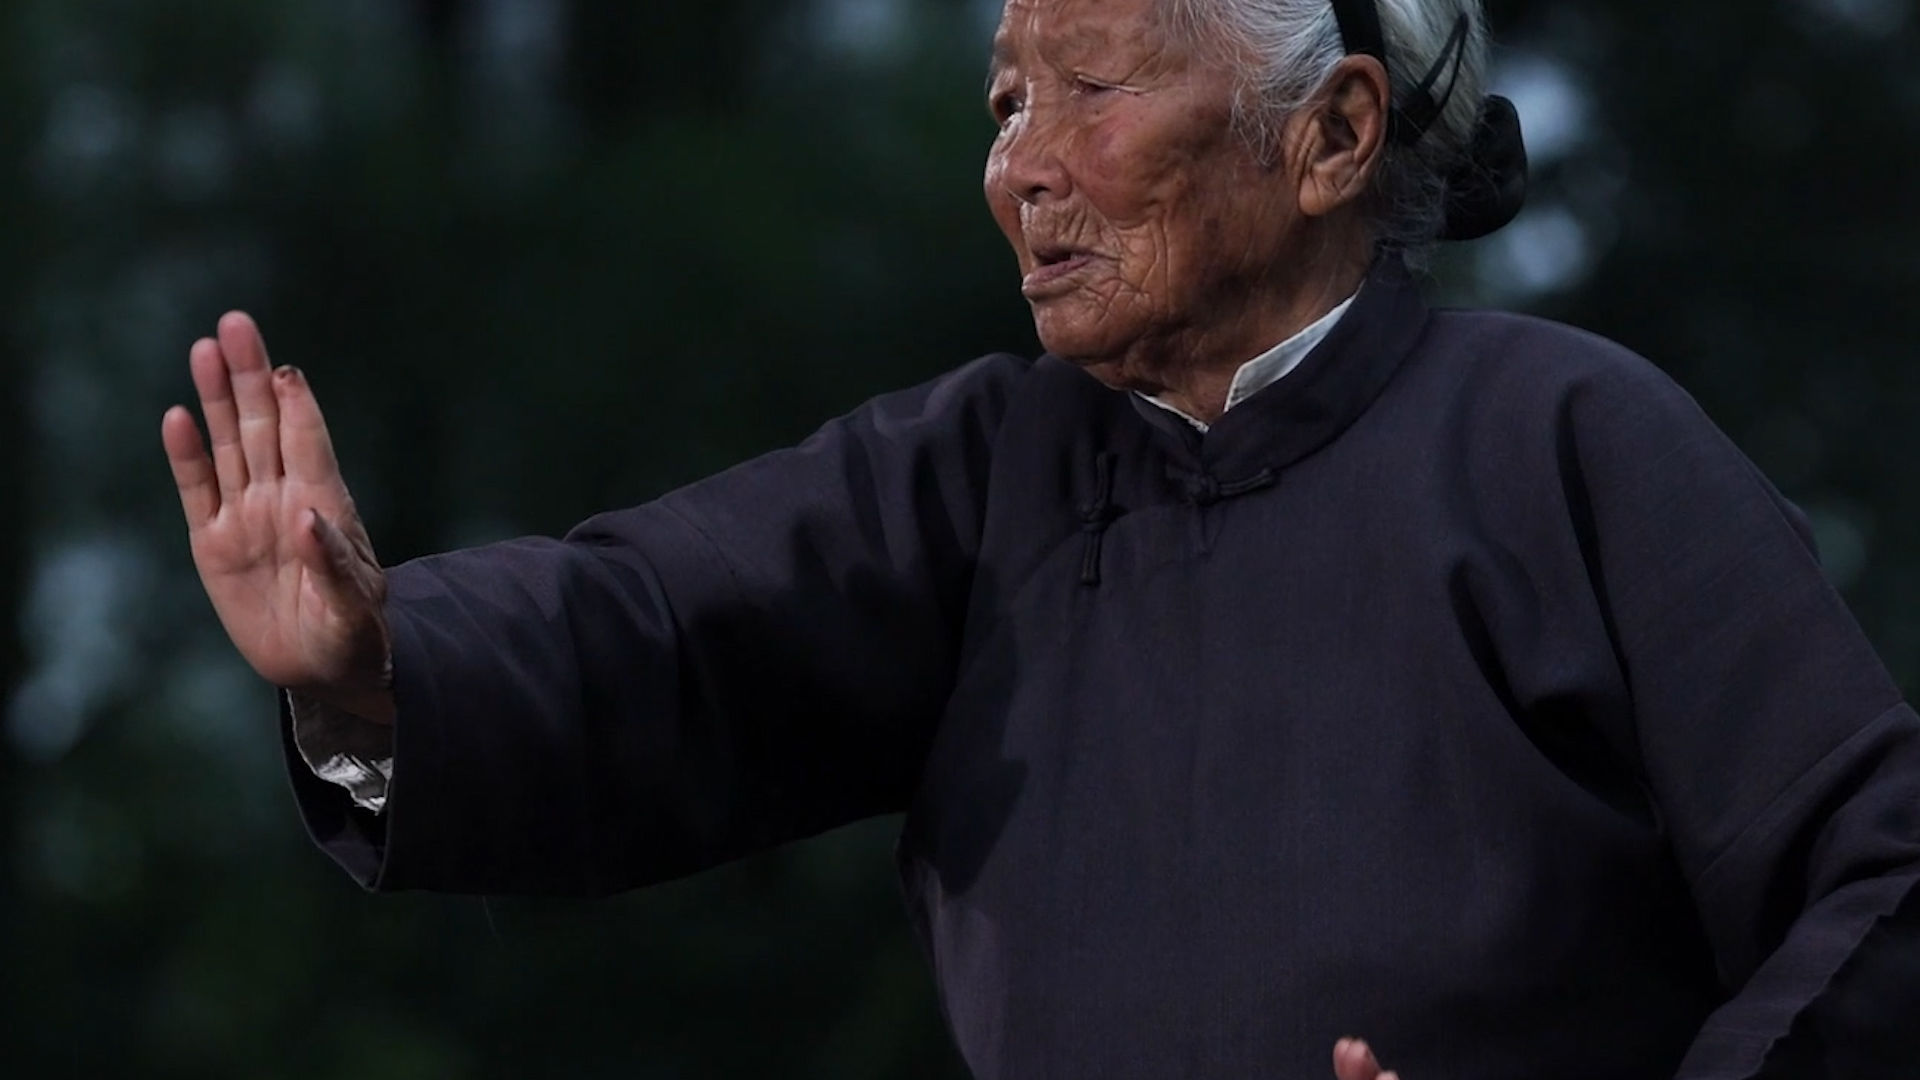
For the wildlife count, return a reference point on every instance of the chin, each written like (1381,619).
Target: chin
(1073,333)
(1100,347)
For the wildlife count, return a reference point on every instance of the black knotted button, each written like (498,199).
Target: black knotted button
(1201,488)
(1204,489)
(1095,515)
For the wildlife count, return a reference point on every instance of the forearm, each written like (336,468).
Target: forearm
(1862,1024)
(1841,990)
(534,693)
(1821,893)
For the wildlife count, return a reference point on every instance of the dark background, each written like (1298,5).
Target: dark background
(541,257)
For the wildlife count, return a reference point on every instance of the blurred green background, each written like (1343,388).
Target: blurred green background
(541,257)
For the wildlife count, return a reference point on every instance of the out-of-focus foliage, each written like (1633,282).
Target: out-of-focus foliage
(545,256)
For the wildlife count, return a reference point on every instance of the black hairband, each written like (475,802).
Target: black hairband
(1489,188)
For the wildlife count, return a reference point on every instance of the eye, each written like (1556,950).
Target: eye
(1004,106)
(1091,87)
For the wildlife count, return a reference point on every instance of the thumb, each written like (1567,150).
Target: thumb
(1353,1060)
(355,673)
(330,557)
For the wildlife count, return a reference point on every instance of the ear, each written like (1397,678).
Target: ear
(1345,130)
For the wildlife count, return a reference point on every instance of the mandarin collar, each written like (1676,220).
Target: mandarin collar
(1328,391)
(1269,367)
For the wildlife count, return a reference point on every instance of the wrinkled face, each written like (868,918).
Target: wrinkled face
(1148,234)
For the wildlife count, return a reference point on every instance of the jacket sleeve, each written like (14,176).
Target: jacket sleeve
(1784,765)
(755,658)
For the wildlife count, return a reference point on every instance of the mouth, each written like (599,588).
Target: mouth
(1053,266)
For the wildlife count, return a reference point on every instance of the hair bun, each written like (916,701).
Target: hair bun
(1488,190)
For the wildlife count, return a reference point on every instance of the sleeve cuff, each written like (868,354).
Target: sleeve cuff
(344,749)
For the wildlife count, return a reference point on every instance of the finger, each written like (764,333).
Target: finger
(246,357)
(305,447)
(1353,1060)
(192,468)
(223,417)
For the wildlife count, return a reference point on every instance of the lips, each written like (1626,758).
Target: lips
(1054,268)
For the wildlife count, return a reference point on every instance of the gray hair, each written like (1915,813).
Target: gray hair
(1285,50)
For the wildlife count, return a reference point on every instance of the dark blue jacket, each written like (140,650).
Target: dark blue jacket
(1466,690)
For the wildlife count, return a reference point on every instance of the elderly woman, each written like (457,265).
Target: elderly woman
(1274,659)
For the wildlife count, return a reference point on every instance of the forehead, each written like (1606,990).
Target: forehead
(1073,26)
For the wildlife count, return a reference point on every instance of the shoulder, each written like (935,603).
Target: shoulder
(1509,375)
(1538,394)
(1047,396)
(971,399)
(984,382)
(994,375)
(1530,359)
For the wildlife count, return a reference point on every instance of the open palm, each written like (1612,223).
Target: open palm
(274,534)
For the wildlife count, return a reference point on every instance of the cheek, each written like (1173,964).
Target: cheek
(1183,221)
(1116,173)
(1143,189)
(1132,170)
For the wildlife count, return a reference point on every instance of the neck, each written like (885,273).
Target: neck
(1198,387)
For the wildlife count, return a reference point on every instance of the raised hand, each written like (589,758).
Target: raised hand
(1353,1060)
(274,534)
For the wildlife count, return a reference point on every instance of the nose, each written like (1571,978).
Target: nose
(1031,167)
